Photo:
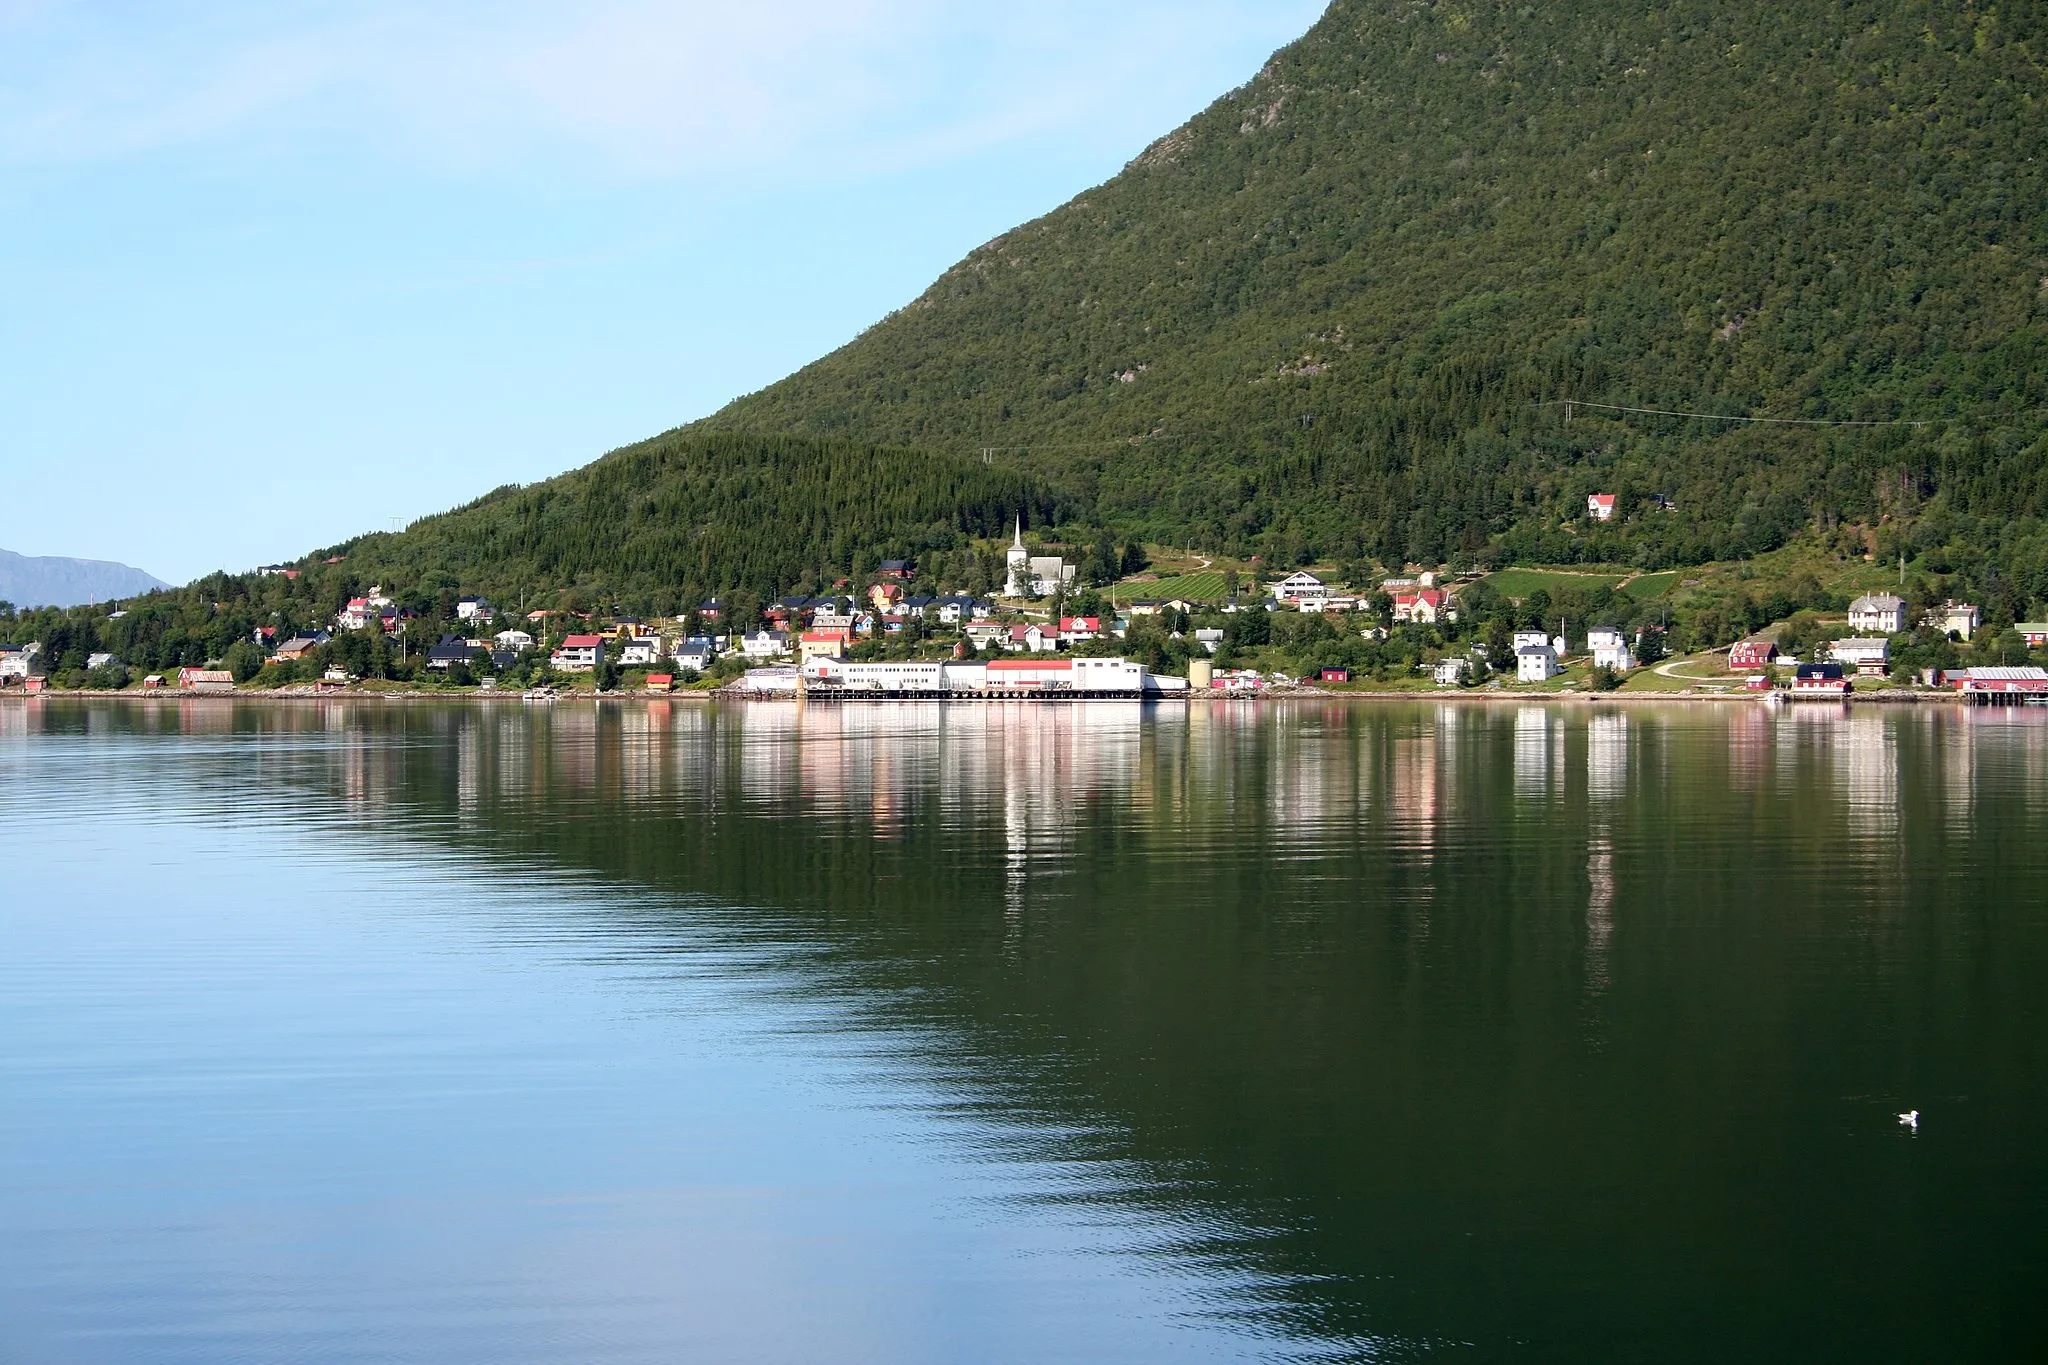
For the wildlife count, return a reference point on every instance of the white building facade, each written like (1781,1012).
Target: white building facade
(1536,663)
(1878,614)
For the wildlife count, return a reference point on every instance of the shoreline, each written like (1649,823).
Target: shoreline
(1458,695)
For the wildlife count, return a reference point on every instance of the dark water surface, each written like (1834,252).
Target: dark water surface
(662,1032)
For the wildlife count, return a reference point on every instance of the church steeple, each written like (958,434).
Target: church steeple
(1018,582)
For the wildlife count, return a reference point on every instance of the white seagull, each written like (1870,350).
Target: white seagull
(1911,1119)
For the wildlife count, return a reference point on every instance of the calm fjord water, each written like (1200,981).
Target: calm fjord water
(345,1032)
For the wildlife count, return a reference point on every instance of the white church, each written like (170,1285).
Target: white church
(1034,575)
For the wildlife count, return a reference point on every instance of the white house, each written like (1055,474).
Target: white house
(1300,585)
(1609,648)
(1077,629)
(1033,638)
(694,656)
(1959,619)
(641,650)
(1209,638)
(1450,672)
(1869,656)
(1525,639)
(1424,606)
(578,654)
(1600,506)
(1878,614)
(470,608)
(765,644)
(14,663)
(514,640)
(981,633)
(954,610)
(1536,663)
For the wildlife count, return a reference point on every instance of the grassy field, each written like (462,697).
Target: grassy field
(1652,585)
(1195,587)
(1519,583)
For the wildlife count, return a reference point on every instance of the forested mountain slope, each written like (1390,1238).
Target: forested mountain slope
(1330,305)
(663,522)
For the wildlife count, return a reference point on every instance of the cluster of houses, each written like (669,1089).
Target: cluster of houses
(1417,601)
(804,629)
(1540,657)
(1873,618)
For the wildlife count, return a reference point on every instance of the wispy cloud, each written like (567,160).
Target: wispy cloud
(632,86)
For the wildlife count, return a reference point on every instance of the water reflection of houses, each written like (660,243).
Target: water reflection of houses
(1749,747)
(1415,768)
(1607,756)
(1532,752)
(1866,764)
(1300,781)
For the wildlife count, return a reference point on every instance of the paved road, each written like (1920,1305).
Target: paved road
(1669,669)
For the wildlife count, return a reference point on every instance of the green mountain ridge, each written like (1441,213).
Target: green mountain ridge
(1324,315)
(1363,307)
(660,523)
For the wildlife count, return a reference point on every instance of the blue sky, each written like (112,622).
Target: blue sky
(272,273)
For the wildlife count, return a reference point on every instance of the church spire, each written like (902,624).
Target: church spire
(1018,543)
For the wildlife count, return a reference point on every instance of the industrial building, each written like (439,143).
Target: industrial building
(1072,678)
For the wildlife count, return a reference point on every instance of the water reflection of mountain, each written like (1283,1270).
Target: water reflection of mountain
(1312,982)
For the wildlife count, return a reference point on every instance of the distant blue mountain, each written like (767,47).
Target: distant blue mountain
(48,581)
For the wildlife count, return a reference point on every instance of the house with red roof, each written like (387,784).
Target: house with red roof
(578,654)
(1424,606)
(1752,656)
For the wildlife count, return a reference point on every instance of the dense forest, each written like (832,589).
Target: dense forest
(688,514)
(1338,312)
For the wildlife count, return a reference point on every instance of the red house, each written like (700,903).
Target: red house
(1752,656)
(1340,675)
(1820,680)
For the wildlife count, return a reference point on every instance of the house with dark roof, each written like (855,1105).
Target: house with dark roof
(448,652)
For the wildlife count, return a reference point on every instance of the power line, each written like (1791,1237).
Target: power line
(1569,403)
(988,452)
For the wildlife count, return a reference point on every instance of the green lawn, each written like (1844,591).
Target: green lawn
(1652,585)
(1519,583)
(1195,587)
